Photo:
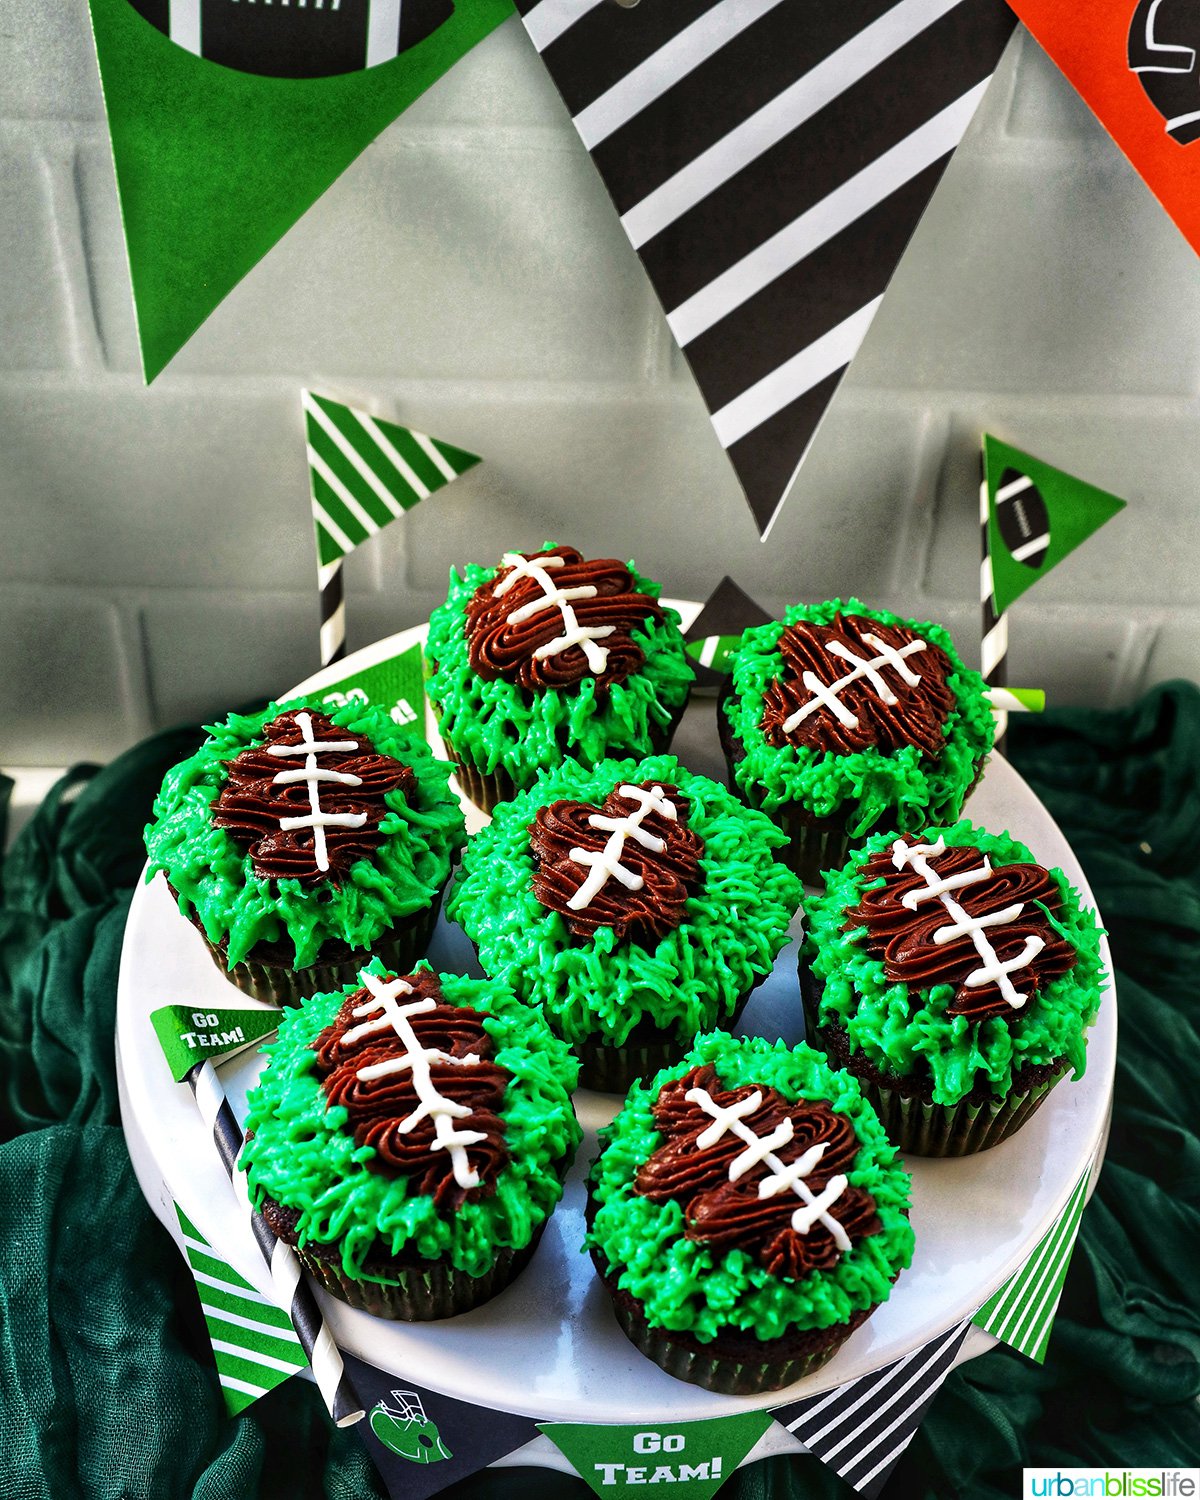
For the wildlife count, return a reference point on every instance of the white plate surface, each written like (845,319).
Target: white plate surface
(548,1346)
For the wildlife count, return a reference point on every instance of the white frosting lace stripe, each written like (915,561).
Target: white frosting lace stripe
(937,887)
(783,1176)
(824,696)
(605,864)
(574,634)
(318,819)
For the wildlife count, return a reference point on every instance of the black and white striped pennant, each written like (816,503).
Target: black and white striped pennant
(861,1428)
(770,162)
(296,38)
(292,1292)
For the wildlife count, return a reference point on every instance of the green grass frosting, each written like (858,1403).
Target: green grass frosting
(299,1151)
(733,927)
(911,1035)
(500,724)
(687,1286)
(214,874)
(868,785)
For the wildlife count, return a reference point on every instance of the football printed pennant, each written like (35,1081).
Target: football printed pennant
(861,1428)
(253,1341)
(1021,1313)
(363,473)
(309,39)
(214,164)
(1036,516)
(1137,64)
(770,162)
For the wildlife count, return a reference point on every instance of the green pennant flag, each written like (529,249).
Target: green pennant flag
(214,165)
(189,1035)
(696,1458)
(253,1341)
(396,684)
(364,472)
(1021,1313)
(1036,516)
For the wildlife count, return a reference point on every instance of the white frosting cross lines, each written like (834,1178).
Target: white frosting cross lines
(784,1176)
(433,1105)
(318,819)
(606,863)
(964,924)
(574,634)
(827,697)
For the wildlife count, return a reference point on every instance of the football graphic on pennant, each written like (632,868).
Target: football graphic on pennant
(1023,519)
(1164,52)
(300,39)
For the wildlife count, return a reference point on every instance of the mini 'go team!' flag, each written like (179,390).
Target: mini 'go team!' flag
(1137,64)
(363,473)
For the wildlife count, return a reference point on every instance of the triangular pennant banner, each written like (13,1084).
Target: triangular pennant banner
(1021,1313)
(861,1428)
(1036,516)
(770,162)
(396,684)
(1137,64)
(214,165)
(364,472)
(255,1345)
(717,629)
(422,1441)
(189,1036)
(620,1460)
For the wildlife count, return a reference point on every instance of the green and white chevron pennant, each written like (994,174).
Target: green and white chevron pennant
(365,472)
(255,1346)
(1021,1313)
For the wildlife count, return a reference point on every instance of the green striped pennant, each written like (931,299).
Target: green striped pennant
(255,1345)
(1022,1312)
(365,472)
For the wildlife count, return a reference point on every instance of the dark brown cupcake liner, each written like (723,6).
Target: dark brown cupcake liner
(734,1363)
(279,984)
(422,1292)
(488,788)
(609,1069)
(912,1121)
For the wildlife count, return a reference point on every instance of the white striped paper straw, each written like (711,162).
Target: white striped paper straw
(292,1291)
(994,643)
(1016,700)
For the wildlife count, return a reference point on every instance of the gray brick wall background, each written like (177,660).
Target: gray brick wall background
(468,276)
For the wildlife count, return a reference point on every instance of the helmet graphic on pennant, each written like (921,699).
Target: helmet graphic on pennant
(1164,52)
(303,39)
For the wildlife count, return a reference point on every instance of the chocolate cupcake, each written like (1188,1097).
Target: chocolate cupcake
(747,1214)
(547,657)
(299,842)
(955,978)
(840,719)
(635,905)
(409,1136)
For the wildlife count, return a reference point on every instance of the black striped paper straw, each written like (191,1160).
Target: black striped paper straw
(993,649)
(333,612)
(293,1292)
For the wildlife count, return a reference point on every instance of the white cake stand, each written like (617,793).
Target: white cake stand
(548,1346)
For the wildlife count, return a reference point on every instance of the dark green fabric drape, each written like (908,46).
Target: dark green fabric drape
(107,1387)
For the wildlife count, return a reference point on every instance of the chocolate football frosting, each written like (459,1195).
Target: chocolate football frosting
(723,1152)
(553,618)
(416,1102)
(636,850)
(987,933)
(857,683)
(308,801)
